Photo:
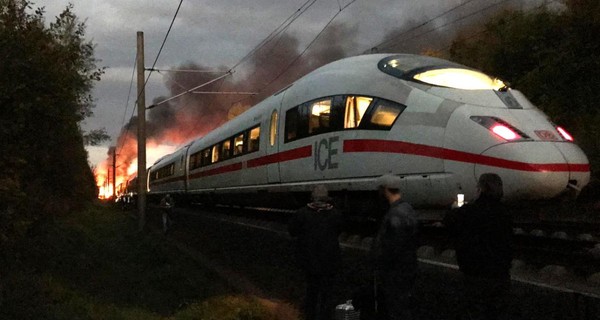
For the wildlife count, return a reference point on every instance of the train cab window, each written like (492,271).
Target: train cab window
(273,128)
(225,149)
(319,116)
(206,157)
(215,153)
(356,107)
(254,139)
(238,145)
(459,78)
(384,114)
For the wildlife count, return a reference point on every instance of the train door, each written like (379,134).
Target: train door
(273,148)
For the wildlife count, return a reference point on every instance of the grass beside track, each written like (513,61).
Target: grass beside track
(95,265)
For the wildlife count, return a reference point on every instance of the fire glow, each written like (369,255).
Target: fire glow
(126,167)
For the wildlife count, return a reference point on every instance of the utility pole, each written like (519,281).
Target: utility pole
(114,173)
(141,132)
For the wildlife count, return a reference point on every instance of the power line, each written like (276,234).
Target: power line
(189,90)
(422,24)
(280,29)
(476,34)
(451,22)
(185,70)
(303,51)
(163,43)
(128,96)
(309,45)
(148,78)
(158,55)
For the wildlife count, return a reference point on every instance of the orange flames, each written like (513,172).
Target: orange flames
(126,165)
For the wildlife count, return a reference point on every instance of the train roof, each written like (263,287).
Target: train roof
(427,70)
(348,76)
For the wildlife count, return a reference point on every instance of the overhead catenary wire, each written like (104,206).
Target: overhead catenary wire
(305,49)
(422,24)
(185,70)
(281,28)
(158,54)
(127,102)
(452,22)
(189,90)
(148,77)
(477,34)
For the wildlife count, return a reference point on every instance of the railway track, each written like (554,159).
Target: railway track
(569,263)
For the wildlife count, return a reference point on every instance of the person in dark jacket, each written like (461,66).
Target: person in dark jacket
(316,228)
(482,231)
(394,252)
(166,205)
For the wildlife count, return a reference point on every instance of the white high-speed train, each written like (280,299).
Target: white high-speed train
(436,124)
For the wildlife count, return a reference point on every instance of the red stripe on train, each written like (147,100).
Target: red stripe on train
(372,145)
(298,153)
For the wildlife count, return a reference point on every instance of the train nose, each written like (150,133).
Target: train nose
(536,170)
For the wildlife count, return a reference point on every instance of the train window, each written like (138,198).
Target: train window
(296,122)
(163,172)
(254,140)
(336,118)
(355,110)
(206,157)
(226,149)
(238,145)
(320,112)
(384,114)
(215,153)
(291,124)
(273,128)
(196,160)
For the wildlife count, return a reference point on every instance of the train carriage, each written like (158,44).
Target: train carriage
(168,174)
(435,123)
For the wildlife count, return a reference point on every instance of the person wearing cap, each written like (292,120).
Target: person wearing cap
(394,252)
(315,229)
(482,232)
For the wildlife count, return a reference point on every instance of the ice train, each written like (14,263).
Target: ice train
(436,124)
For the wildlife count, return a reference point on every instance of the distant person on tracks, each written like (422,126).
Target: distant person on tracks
(316,228)
(166,206)
(482,230)
(394,252)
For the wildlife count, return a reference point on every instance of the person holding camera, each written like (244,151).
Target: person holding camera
(482,232)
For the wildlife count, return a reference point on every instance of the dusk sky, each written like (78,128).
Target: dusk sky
(220,33)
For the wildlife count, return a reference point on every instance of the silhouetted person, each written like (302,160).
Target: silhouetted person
(166,205)
(482,230)
(394,252)
(316,228)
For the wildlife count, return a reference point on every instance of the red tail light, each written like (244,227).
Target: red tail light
(500,128)
(564,134)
